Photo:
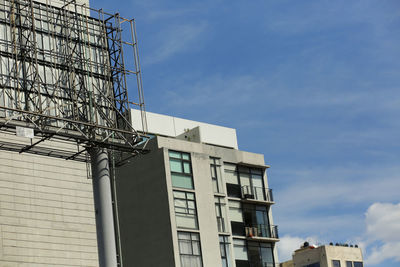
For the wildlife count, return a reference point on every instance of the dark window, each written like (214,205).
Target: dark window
(181,169)
(260,254)
(237,228)
(349,264)
(234,190)
(358,264)
(316,264)
(335,263)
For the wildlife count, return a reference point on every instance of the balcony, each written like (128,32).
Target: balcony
(262,231)
(257,193)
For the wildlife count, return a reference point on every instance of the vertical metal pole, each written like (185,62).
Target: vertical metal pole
(103,206)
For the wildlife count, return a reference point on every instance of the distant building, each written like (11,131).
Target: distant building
(325,256)
(195,200)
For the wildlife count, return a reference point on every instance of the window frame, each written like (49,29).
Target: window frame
(215,165)
(224,246)
(220,207)
(240,171)
(182,161)
(192,241)
(187,208)
(334,263)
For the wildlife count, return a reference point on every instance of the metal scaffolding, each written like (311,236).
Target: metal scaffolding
(63,74)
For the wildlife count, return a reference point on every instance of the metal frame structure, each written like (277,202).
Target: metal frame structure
(63,74)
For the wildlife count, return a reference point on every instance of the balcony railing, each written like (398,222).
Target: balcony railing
(257,193)
(262,230)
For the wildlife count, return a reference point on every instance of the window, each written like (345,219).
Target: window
(354,264)
(231,176)
(240,250)
(260,254)
(225,252)
(235,211)
(251,181)
(216,175)
(316,264)
(244,182)
(335,263)
(181,169)
(256,220)
(232,180)
(189,249)
(185,210)
(220,212)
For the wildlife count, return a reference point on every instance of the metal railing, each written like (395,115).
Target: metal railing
(257,193)
(262,230)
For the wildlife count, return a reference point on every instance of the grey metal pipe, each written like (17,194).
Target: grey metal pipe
(103,206)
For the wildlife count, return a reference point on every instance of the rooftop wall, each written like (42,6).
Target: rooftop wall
(172,126)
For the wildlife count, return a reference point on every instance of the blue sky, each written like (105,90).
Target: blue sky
(312,85)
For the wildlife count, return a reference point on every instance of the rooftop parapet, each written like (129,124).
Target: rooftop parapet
(186,129)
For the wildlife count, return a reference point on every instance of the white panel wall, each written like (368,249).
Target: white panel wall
(173,126)
(46,212)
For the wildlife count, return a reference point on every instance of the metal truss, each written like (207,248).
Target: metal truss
(63,73)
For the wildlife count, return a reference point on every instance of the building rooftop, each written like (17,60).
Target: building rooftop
(195,131)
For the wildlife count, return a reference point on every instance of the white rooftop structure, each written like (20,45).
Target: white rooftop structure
(201,132)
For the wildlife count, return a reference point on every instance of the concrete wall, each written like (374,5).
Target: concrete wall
(309,256)
(146,203)
(343,254)
(287,264)
(205,208)
(144,210)
(325,255)
(46,211)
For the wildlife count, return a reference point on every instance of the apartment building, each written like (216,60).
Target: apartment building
(195,200)
(339,255)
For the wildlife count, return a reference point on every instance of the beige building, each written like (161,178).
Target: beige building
(326,256)
(195,200)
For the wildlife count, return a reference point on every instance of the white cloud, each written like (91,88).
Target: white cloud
(380,241)
(383,221)
(288,244)
(387,251)
(178,38)
(383,227)
(325,186)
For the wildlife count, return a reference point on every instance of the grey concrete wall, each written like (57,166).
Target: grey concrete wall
(200,154)
(144,212)
(141,211)
(46,211)
(205,207)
